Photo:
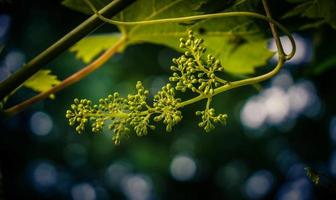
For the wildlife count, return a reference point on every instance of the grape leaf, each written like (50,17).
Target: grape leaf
(89,47)
(237,41)
(42,81)
(316,10)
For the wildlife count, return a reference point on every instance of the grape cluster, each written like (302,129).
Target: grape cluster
(112,104)
(193,71)
(208,118)
(111,108)
(77,115)
(166,105)
(139,117)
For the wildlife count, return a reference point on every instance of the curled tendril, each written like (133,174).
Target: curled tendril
(194,71)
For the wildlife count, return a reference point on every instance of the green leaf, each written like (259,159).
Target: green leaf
(241,58)
(314,24)
(42,81)
(298,10)
(240,40)
(88,48)
(323,10)
(236,41)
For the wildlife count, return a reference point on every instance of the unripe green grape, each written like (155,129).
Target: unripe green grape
(168,128)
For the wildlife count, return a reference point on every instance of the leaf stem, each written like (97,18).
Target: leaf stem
(71,79)
(60,46)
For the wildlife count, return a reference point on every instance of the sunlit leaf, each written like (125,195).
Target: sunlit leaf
(88,48)
(237,41)
(42,81)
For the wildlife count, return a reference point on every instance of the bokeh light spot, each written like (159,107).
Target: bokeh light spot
(116,172)
(276,105)
(41,123)
(14,60)
(299,189)
(83,191)
(253,114)
(259,184)
(44,175)
(280,104)
(137,187)
(182,168)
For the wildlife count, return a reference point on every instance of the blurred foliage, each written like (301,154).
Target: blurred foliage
(319,11)
(313,176)
(324,66)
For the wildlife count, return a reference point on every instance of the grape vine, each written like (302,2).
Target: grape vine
(194,71)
